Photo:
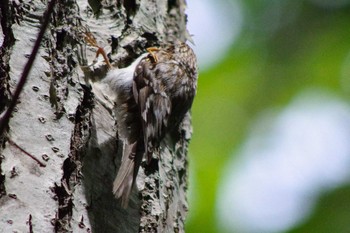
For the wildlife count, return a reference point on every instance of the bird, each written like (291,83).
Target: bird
(153,94)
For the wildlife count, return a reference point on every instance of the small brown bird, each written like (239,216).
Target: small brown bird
(153,95)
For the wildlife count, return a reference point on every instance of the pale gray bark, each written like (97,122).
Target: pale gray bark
(71,131)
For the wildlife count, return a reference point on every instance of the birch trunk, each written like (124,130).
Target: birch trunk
(70,130)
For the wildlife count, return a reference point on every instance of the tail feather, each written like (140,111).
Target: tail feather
(124,181)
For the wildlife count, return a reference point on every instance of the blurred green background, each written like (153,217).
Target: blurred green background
(283,48)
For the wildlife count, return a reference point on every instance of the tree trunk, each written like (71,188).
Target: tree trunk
(69,130)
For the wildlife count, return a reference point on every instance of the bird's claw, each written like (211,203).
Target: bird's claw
(152,51)
(90,39)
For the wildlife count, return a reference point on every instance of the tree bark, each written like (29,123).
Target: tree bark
(70,129)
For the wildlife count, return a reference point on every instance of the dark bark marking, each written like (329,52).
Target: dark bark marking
(30,224)
(151,38)
(172,4)
(96,6)
(114,44)
(131,7)
(6,13)
(152,167)
(6,20)
(61,44)
(2,181)
(72,165)
(65,206)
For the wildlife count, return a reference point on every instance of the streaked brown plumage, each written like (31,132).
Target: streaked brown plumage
(153,96)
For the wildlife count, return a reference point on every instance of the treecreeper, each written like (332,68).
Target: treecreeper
(152,96)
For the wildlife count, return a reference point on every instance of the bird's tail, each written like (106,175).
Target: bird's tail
(126,176)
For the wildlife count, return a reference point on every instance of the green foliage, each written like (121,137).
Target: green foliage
(331,214)
(265,69)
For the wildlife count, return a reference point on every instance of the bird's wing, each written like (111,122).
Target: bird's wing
(154,103)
